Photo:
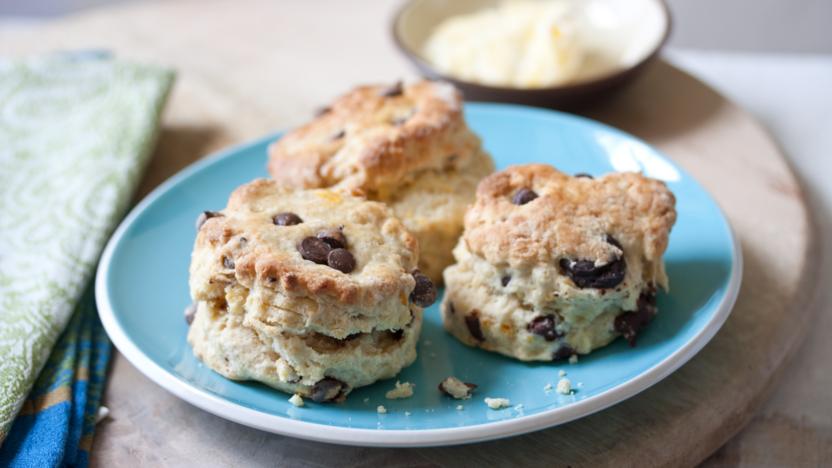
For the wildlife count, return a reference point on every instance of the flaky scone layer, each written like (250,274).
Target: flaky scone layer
(377,138)
(571,217)
(240,347)
(243,245)
(551,265)
(406,146)
(269,308)
(433,206)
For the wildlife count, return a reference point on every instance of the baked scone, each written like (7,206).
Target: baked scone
(406,146)
(551,265)
(313,292)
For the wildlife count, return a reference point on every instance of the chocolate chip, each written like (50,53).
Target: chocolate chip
(630,323)
(585,274)
(286,219)
(322,111)
(451,309)
(505,280)
(544,326)
(228,263)
(612,240)
(341,259)
(450,162)
(314,249)
(395,90)
(219,303)
(472,321)
(327,389)
(339,135)
(424,294)
(334,238)
(583,175)
(397,334)
(523,196)
(205,216)
(190,313)
(564,352)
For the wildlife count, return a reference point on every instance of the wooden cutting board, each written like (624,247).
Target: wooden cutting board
(248,68)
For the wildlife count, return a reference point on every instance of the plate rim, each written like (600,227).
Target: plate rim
(287,426)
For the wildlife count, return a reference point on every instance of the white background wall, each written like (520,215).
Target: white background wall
(761,25)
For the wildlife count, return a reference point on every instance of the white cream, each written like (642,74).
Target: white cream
(525,44)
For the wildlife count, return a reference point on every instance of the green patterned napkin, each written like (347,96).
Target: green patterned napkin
(75,133)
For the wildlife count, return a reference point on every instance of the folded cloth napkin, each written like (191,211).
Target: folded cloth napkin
(56,424)
(75,133)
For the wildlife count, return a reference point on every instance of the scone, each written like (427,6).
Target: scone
(313,292)
(406,146)
(551,265)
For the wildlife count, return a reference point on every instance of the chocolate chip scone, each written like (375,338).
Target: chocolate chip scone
(313,292)
(551,265)
(406,146)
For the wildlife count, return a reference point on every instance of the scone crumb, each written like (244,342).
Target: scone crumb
(402,390)
(548,387)
(296,400)
(497,403)
(381,409)
(285,371)
(367,400)
(456,388)
(103,413)
(459,407)
(564,386)
(562,373)
(573,359)
(407,413)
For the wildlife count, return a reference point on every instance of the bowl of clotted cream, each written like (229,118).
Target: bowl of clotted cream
(554,53)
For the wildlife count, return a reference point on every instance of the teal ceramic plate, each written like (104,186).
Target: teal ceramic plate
(142,289)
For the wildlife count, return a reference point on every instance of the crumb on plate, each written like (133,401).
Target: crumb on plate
(456,388)
(402,390)
(564,386)
(296,400)
(497,403)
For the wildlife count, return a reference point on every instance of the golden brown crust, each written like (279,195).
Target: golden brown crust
(571,217)
(375,142)
(264,253)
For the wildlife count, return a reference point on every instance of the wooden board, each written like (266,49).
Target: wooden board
(249,68)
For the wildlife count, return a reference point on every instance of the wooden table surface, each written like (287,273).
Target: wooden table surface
(247,68)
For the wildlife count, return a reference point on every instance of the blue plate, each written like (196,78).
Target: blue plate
(142,288)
